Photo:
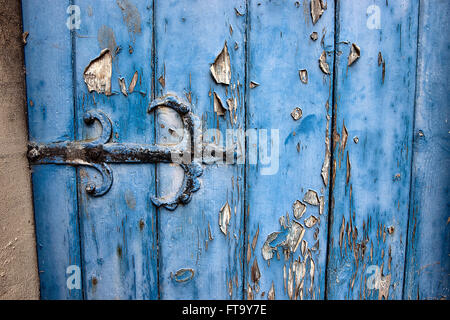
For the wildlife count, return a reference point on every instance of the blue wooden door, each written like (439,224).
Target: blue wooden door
(239,149)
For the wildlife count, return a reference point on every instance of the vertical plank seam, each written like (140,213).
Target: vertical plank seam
(153,96)
(245,204)
(75,135)
(331,133)
(27,123)
(411,175)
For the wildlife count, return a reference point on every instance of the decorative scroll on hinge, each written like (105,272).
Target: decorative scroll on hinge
(100,152)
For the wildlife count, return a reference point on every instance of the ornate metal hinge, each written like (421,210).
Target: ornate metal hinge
(100,152)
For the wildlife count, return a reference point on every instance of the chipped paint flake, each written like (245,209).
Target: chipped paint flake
(384,283)
(219,108)
(300,277)
(312,269)
(271,294)
(133,82)
(304,247)
(311,221)
(316,246)
(232,107)
(184,275)
(295,236)
(255,273)
(255,239)
(123,86)
(323,63)
(162,78)
(97,75)
(230,288)
(283,222)
(303,75)
(326,162)
(249,292)
(296,114)
(349,168)
(391,229)
(290,284)
(344,137)
(299,208)
(355,53)
(221,68)
(249,253)
(314,36)
(267,250)
(311,198)
(317,9)
(224,218)
(316,233)
(25,37)
(321,204)
(238,13)
(341,232)
(253,84)
(232,104)
(210,237)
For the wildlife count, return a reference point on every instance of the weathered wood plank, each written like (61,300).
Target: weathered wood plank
(280,45)
(428,264)
(118,229)
(189,36)
(374,110)
(50,118)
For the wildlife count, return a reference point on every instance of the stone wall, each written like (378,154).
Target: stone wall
(18,263)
